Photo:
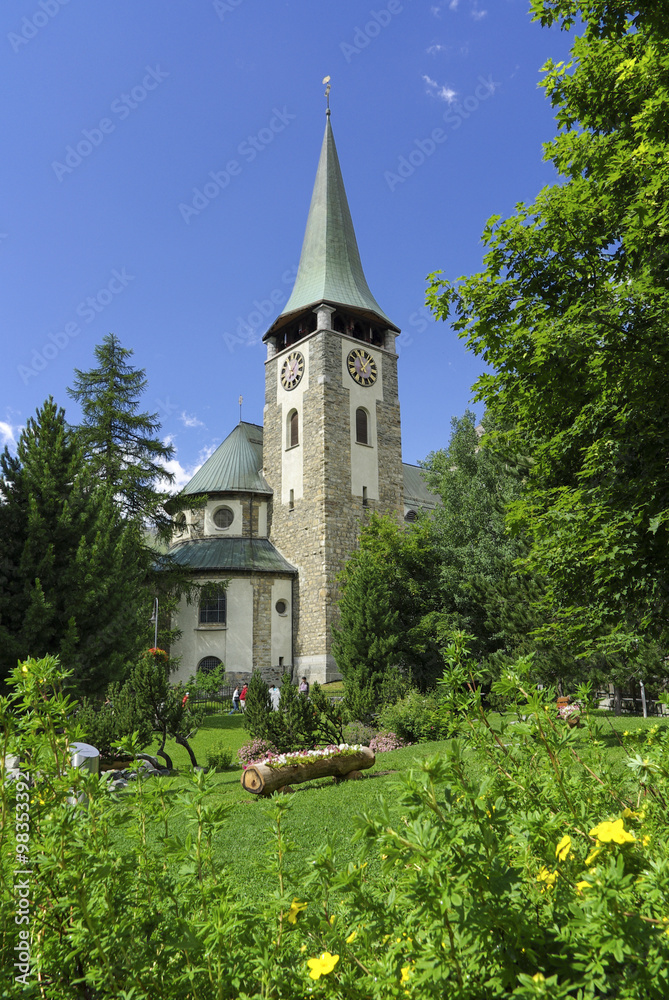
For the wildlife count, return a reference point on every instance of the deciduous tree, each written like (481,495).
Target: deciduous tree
(571,313)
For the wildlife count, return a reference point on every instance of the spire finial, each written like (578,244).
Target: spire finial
(241,400)
(326,79)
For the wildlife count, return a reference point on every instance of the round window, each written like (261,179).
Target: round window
(281,607)
(223,517)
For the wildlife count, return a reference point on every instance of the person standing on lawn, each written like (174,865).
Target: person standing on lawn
(242,696)
(235,702)
(304,687)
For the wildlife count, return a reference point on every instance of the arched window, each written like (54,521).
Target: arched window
(293,429)
(208,663)
(213,609)
(411,515)
(361,426)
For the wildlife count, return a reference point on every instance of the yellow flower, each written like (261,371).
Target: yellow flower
(645,840)
(594,854)
(303,948)
(538,977)
(563,848)
(406,972)
(548,877)
(351,938)
(612,831)
(24,669)
(295,908)
(628,814)
(583,885)
(323,965)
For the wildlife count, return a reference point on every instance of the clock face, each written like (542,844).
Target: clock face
(362,367)
(292,370)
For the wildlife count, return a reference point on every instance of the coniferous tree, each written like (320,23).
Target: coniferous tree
(119,440)
(366,641)
(72,568)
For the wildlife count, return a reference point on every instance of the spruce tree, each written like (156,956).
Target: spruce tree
(120,441)
(365,642)
(73,570)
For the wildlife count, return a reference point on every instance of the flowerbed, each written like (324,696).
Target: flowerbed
(387,741)
(276,760)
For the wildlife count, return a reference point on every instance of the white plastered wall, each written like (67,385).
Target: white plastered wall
(235,528)
(364,457)
(282,624)
(292,399)
(232,643)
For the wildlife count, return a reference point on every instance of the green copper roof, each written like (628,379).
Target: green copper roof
(256,555)
(236,465)
(416,493)
(330,268)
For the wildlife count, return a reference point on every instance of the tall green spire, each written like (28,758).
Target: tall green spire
(330,269)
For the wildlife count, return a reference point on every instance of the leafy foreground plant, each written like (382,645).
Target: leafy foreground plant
(519,868)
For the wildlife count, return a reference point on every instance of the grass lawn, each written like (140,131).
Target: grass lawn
(321,810)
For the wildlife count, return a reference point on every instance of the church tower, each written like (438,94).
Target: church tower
(332,440)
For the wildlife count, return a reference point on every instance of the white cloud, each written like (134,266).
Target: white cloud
(183,473)
(433,50)
(447,94)
(442,93)
(477,14)
(453,5)
(435,11)
(190,421)
(9,434)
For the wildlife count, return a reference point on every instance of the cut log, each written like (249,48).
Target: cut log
(262,780)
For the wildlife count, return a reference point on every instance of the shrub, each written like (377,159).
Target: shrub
(300,723)
(219,756)
(411,718)
(117,718)
(386,741)
(254,750)
(358,732)
(509,866)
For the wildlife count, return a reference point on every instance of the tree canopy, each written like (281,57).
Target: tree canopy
(571,314)
(71,569)
(121,442)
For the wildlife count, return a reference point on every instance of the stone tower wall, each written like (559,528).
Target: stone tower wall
(319,534)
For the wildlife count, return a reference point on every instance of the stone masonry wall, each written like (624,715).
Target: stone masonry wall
(262,620)
(320,532)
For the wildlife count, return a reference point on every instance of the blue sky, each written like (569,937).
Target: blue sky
(158,166)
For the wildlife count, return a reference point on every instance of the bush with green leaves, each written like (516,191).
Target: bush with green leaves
(117,717)
(412,717)
(300,722)
(358,732)
(219,756)
(516,864)
(145,705)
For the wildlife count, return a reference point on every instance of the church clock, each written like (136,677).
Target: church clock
(362,367)
(292,370)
